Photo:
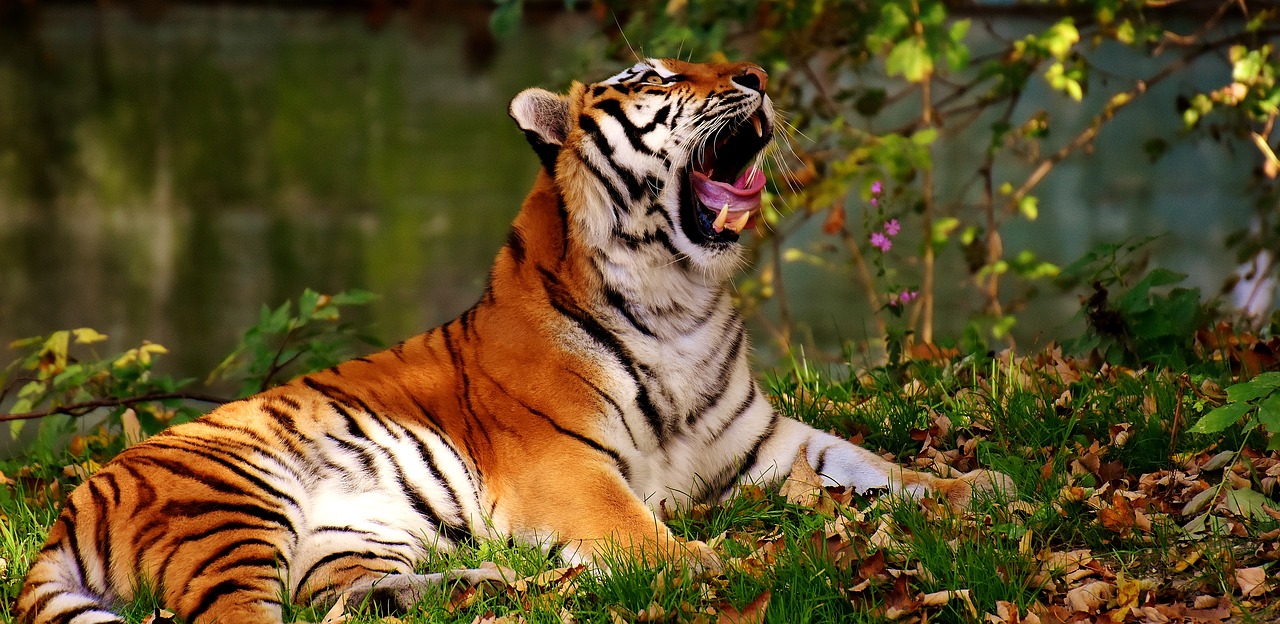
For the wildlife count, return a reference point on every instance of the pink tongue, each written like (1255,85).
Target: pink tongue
(741,196)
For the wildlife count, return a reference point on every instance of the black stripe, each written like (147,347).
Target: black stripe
(67,616)
(822,461)
(289,434)
(336,393)
(146,495)
(69,514)
(708,401)
(469,420)
(218,529)
(753,455)
(617,408)
(453,533)
(612,454)
(205,567)
(205,477)
(363,456)
(613,108)
(113,483)
(562,303)
(634,241)
(215,593)
(742,408)
(515,245)
(562,212)
(334,556)
(101,537)
(619,303)
(634,188)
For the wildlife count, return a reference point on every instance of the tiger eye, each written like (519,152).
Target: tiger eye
(655,80)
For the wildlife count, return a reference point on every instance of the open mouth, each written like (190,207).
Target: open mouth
(721,194)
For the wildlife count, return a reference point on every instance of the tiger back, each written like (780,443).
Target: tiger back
(601,376)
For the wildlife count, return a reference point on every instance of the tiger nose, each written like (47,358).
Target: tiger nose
(753,78)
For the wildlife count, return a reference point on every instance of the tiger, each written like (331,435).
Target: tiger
(601,379)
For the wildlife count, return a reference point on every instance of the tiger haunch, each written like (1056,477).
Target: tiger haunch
(602,375)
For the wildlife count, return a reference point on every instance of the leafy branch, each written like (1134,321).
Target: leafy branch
(62,374)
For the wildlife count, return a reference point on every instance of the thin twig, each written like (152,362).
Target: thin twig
(864,279)
(276,365)
(926,281)
(80,409)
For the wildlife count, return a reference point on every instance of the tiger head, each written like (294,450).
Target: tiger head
(660,158)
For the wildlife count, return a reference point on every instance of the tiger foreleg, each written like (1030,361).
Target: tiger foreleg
(844,464)
(592,512)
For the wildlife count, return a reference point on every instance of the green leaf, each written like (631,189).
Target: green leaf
(1029,207)
(893,21)
(1060,37)
(87,335)
(1248,503)
(354,296)
(1269,413)
(307,304)
(1258,387)
(925,137)
(1221,418)
(15,426)
(909,59)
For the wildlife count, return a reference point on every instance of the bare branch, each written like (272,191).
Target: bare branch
(80,409)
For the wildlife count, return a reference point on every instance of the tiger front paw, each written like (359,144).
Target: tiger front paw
(702,557)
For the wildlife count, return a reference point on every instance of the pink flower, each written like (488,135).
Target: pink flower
(876,188)
(892,227)
(875,202)
(881,242)
(902,298)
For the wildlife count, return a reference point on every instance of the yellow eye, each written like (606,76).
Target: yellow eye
(655,80)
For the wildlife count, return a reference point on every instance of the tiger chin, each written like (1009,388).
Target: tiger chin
(602,375)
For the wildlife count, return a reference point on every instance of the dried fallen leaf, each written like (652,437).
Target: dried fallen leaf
(1127,596)
(1119,517)
(336,614)
(160,616)
(1091,597)
(462,599)
(1252,581)
(804,486)
(753,613)
(132,427)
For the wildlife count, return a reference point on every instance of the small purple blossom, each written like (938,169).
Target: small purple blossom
(881,242)
(875,202)
(902,298)
(876,188)
(892,227)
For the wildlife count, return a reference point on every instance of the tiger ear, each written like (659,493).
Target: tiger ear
(544,118)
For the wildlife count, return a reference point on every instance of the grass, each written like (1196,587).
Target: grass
(1101,456)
